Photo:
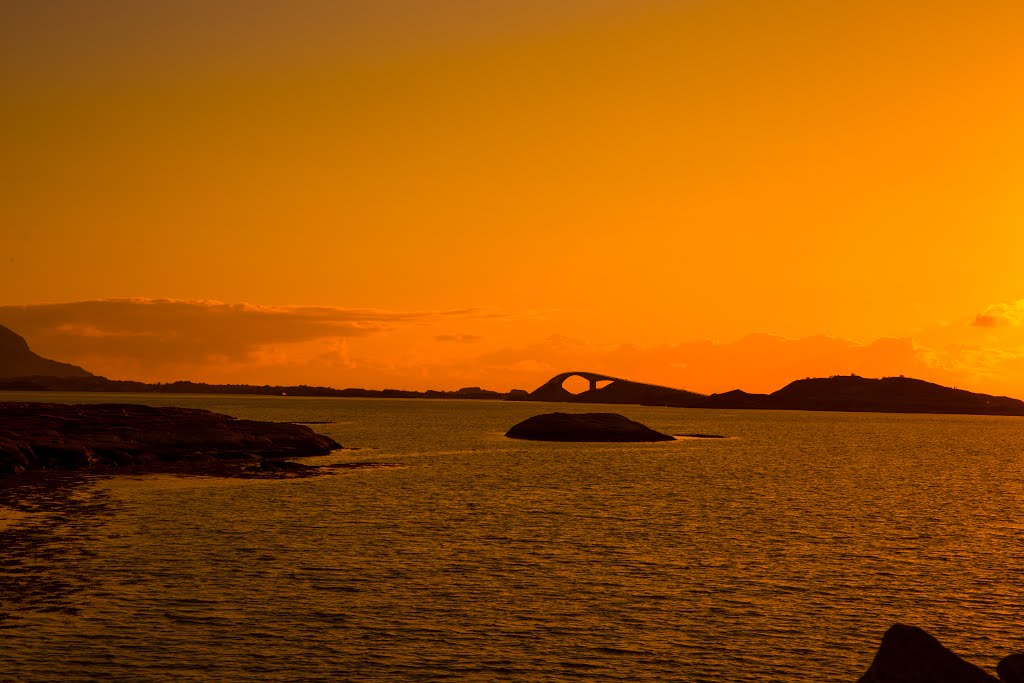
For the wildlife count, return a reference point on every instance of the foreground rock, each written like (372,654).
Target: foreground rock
(584,427)
(910,655)
(54,436)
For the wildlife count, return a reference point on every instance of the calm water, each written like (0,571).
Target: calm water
(779,555)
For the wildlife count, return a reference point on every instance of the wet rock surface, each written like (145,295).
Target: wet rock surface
(607,427)
(127,437)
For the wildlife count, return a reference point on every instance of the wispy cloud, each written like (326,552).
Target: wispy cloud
(136,333)
(462,338)
(1001,314)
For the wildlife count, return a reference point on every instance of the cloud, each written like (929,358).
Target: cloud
(140,335)
(1001,314)
(463,338)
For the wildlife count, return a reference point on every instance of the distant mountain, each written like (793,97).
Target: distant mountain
(841,393)
(17,360)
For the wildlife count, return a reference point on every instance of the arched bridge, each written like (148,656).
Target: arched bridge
(592,377)
(618,391)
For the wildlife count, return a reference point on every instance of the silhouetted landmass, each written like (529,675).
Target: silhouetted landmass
(889,395)
(17,360)
(57,436)
(610,427)
(102,384)
(618,390)
(848,393)
(23,370)
(908,654)
(736,398)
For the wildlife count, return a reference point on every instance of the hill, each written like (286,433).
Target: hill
(888,395)
(18,360)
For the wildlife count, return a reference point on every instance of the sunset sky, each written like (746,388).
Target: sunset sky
(708,194)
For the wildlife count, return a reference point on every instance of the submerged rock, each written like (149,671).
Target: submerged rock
(584,427)
(910,655)
(55,436)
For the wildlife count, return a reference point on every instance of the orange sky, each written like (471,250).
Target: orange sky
(413,193)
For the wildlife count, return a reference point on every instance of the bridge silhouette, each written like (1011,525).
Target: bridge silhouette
(618,391)
(592,377)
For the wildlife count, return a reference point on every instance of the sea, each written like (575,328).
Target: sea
(779,553)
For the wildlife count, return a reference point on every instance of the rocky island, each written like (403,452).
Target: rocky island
(607,427)
(127,437)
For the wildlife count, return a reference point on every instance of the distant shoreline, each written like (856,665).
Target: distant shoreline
(97,384)
(840,393)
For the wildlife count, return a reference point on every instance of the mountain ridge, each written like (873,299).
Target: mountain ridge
(18,360)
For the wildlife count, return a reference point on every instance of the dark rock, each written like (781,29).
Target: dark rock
(53,436)
(1011,669)
(584,427)
(910,655)
(17,360)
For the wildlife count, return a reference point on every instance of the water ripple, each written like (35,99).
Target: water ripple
(780,555)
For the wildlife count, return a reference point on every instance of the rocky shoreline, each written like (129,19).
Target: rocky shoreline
(108,438)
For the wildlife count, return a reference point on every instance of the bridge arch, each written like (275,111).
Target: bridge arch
(552,390)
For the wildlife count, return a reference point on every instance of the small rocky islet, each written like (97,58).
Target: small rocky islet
(137,438)
(593,427)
